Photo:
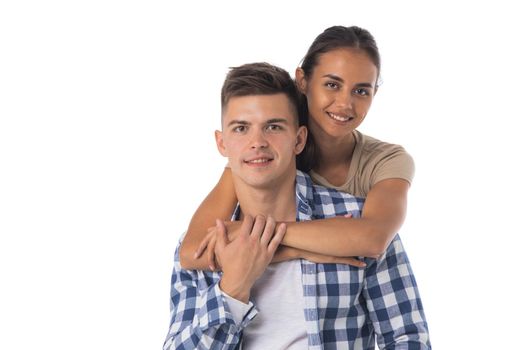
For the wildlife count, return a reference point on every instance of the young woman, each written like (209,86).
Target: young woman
(338,79)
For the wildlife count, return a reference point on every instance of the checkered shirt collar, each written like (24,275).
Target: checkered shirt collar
(304,198)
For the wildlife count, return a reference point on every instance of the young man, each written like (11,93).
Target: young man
(299,304)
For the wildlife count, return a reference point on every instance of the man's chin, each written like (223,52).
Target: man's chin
(259,183)
(264,180)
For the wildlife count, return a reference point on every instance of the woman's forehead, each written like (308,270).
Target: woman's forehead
(347,64)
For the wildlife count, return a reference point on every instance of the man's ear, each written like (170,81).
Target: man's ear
(300,139)
(220,143)
(300,80)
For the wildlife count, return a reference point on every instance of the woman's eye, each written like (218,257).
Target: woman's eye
(332,85)
(361,92)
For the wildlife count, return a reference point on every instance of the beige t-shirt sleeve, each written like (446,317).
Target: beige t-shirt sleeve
(376,161)
(393,163)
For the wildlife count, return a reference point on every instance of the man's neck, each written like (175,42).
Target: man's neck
(277,201)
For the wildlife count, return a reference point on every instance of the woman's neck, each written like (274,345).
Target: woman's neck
(335,156)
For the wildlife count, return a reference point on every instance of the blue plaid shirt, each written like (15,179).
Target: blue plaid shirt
(345,307)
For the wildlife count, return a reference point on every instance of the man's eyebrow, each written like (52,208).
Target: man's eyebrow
(269,121)
(277,120)
(339,79)
(238,122)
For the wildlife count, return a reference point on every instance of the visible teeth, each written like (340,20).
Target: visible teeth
(338,118)
(258,161)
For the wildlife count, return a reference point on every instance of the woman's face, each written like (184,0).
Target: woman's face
(339,91)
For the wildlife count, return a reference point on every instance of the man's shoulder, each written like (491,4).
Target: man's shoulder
(306,184)
(325,201)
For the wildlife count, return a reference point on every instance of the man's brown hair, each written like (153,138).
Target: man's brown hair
(259,79)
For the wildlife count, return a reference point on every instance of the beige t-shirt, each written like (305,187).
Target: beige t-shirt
(372,161)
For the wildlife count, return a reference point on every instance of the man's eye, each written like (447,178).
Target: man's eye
(273,127)
(240,128)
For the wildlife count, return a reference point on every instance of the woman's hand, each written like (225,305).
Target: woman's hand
(207,245)
(209,241)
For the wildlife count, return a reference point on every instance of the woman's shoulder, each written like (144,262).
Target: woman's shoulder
(371,146)
(379,160)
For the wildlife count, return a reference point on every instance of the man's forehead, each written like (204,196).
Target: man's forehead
(258,109)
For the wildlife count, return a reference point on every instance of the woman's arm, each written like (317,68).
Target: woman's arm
(220,203)
(285,253)
(383,214)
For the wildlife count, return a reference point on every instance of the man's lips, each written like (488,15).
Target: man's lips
(258,161)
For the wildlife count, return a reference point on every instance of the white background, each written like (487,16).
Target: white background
(106,148)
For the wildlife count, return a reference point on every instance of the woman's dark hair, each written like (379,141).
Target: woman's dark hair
(332,38)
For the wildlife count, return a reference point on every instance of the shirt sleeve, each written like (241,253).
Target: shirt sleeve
(393,301)
(237,308)
(200,314)
(393,163)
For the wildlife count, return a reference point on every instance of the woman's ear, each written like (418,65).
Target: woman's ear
(300,80)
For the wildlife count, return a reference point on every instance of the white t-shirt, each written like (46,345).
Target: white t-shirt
(278,296)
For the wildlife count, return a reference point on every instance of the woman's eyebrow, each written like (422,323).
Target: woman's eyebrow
(334,77)
(341,80)
(368,85)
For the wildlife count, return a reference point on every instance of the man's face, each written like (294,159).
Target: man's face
(260,138)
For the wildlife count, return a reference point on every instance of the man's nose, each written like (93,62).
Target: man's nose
(259,140)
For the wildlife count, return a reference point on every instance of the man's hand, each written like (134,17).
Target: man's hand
(245,258)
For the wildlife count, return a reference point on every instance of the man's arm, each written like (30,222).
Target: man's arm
(393,301)
(201,318)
